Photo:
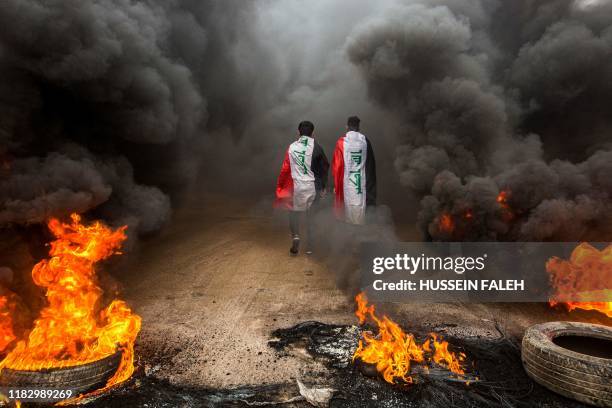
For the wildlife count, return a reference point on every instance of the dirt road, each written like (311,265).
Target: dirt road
(219,280)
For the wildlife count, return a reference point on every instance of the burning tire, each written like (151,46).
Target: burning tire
(80,379)
(571,359)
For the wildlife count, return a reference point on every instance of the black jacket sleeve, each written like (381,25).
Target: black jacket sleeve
(320,167)
(370,176)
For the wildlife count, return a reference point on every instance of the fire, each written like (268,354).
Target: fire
(446,223)
(588,270)
(6,323)
(363,310)
(71,330)
(502,199)
(393,351)
(602,307)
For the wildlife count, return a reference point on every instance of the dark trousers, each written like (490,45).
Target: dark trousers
(298,217)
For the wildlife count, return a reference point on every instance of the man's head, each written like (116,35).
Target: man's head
(353,123)
(306,128)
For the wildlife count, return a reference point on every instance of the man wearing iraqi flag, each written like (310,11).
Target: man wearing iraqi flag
(354,173)
(302,180)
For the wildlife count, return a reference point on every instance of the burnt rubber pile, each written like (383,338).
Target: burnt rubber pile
(495,361)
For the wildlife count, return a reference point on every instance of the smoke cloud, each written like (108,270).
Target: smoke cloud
(504,106)
(492,115)
(95,110)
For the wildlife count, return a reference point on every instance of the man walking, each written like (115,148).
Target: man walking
(302,180)
(354,173)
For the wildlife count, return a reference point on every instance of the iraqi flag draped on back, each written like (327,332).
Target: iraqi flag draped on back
(354,172)
(303,174)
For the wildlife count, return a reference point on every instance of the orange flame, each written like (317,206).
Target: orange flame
(393,351)
(587,272)
(446,223)
(6,323)
(363,310)
(602,307)
(502,200)
(71,330)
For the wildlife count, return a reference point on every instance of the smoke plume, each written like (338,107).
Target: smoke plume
(493,115)
(97,110)
(504,107)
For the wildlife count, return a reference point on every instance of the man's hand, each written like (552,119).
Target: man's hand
(323,194)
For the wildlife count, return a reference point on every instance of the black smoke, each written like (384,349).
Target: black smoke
(506,113)
(116,107)
(104,105)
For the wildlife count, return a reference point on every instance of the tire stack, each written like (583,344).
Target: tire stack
(582,377)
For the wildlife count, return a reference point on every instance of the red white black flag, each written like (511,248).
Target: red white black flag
(354,172)
(303,174)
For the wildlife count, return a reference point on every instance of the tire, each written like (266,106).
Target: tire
(582,377)
(80,379)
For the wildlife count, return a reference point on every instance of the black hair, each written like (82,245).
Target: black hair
(306,128)
(353,123)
